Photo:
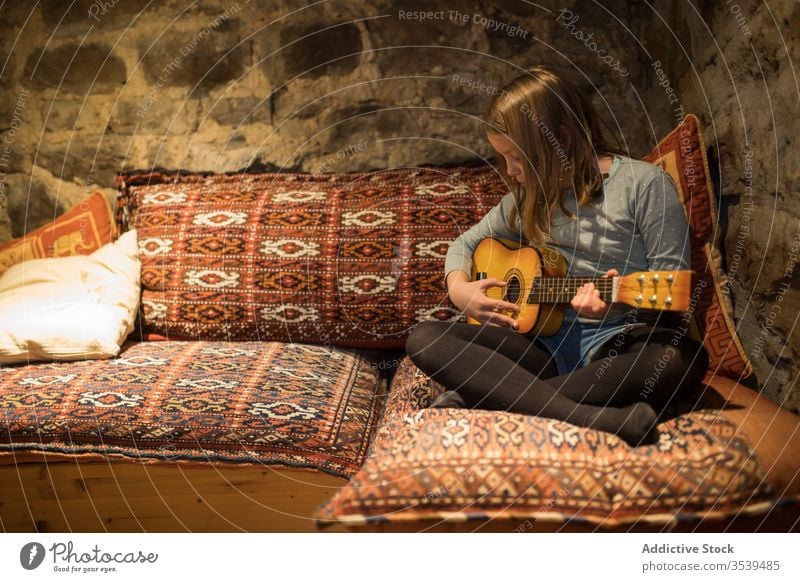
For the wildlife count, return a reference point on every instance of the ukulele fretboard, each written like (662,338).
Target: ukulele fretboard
(563,289)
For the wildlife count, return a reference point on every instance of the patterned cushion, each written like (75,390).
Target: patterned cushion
(344,259)
(79,231)
(682,154)
(444,464)
(272,403)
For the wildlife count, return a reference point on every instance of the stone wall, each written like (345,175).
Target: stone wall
(89,88)
(743,86)
(106,86)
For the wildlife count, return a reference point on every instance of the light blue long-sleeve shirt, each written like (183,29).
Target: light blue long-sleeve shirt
(638,225)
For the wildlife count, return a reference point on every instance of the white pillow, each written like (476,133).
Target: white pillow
(70,308)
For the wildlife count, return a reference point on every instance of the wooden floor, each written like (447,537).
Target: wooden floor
(780,521)
(121,496)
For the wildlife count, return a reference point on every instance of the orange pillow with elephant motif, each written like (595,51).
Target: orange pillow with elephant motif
(79,231)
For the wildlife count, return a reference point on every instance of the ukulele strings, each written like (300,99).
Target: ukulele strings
(553,288)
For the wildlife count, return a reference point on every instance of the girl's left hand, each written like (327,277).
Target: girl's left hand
(587,302)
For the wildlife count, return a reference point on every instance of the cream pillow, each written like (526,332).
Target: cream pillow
(70,308)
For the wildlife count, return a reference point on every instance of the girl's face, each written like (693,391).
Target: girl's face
(506,148)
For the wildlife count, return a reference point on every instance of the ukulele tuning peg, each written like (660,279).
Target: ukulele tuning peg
(655,277)
(653,298)
(639,298)
(669,277)
(642,278)
(668,300)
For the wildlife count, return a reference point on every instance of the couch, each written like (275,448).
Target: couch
(265,386)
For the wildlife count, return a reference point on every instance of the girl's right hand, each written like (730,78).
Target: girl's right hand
(470,297)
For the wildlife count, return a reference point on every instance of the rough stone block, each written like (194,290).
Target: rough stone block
(201,57)
(310,51)
(75,18)
(5,224)
(170,112)
(14,15)
(354,123)
(303,99)
(75,68)
(38,197)
(93,158)
(90,114)
(6,68)
(219,156)
(235,111)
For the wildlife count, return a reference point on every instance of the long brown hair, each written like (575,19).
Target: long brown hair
(559,136)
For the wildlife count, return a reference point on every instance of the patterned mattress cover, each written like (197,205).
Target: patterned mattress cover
(271,403)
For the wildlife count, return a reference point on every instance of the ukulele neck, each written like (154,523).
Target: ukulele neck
(563,289)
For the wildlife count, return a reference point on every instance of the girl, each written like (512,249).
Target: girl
(609,367)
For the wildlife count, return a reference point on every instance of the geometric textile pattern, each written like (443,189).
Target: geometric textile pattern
(81,230)
(273,403)
(682,154)
(437,464)
(353,260)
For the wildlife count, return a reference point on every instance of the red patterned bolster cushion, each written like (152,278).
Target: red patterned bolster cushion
(342,259)
(682,154)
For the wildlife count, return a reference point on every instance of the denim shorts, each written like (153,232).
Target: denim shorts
(573,346)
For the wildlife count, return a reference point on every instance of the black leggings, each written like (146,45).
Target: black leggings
(496,368)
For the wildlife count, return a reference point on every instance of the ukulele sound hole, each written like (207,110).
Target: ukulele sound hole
(513,289)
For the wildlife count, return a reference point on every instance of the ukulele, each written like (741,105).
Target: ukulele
(536,281)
